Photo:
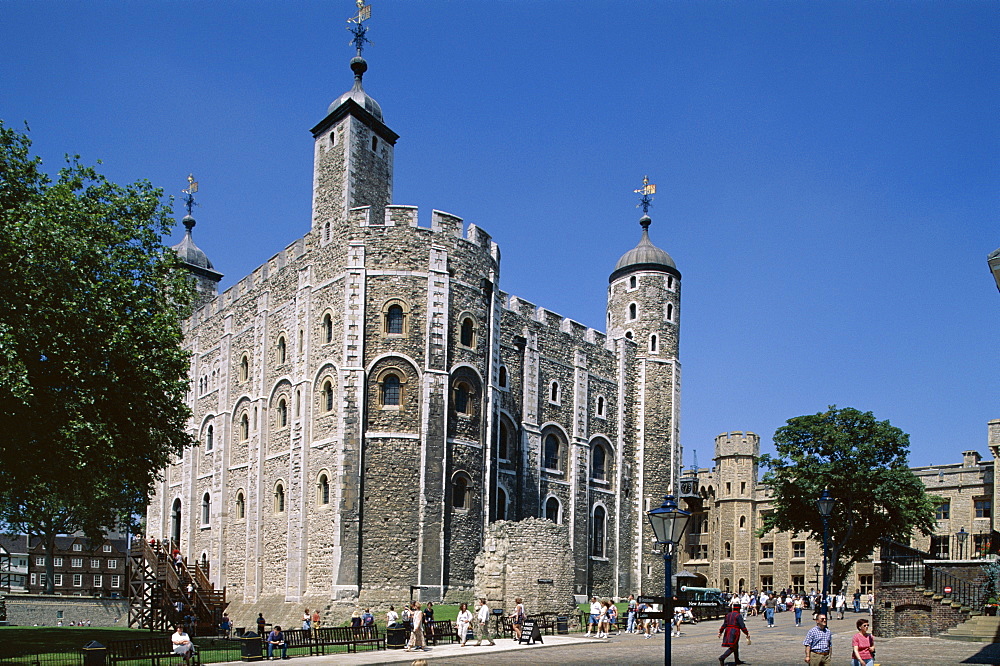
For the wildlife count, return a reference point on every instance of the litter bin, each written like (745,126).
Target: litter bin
(562,624)
(251,647)
(94,654)
(395,637)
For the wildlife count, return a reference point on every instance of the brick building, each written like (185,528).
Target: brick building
(80,568)
(369,401)
(728,504)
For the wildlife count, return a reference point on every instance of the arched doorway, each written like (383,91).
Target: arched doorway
(175,523)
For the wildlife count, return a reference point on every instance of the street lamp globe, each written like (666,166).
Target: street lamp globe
(825,503)
(668,521)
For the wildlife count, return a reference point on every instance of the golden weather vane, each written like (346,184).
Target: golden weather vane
(646,190)
(359,29)
(189,192)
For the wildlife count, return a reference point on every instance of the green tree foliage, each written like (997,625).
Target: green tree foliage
(92,373)
(863,463)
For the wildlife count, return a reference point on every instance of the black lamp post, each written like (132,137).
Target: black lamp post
(961,536)
(825,505)
(816,579)
(668,523)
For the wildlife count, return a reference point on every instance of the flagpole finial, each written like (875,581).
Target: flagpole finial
(646,200)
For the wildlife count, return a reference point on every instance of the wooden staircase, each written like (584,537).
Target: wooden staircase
(156,586)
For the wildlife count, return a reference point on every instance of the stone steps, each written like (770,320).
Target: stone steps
(979,628)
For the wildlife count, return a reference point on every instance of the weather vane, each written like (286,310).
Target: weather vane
(190,191)
(646,190)
(359,29)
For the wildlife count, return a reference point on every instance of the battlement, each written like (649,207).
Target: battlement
(554,321)
(441,222)
(737,443)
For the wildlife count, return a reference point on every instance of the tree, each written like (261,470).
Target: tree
(863,463)
(93,377)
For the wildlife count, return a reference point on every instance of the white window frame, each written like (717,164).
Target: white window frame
(116,581)
(76,562)
(77,580)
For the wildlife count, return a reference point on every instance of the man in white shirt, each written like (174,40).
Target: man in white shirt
(483,622)
(182,644)
(391,617)
(595,613)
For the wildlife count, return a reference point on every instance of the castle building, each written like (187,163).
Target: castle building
(368,401)
(728,505)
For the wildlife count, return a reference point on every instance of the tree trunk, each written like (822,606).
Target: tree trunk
(50,549)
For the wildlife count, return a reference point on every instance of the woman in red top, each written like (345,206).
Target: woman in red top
(729,632)
(863,646)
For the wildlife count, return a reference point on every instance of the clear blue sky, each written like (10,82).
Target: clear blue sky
(828,171)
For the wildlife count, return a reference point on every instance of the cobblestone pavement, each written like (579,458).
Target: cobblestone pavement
(698,645)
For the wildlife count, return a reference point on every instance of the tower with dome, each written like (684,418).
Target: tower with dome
(370,401)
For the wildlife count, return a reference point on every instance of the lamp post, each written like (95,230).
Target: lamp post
(825,505)
(668,523)
(961,536)
(816,579)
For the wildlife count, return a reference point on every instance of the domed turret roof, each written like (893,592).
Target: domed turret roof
(188,252)
(357,93)
(645,254)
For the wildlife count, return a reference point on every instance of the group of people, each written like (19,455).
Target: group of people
(417,619)
(818,642)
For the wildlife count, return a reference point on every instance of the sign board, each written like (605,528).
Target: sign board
(530,633)
(947,589)
(651,600)
(651,615)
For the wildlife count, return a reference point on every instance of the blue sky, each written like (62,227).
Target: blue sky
(827,171)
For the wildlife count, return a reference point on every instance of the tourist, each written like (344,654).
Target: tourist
(226,625)
(517,618)
(483,622)
(769,606)
(315,618)
(595,613)
(306,620)
(729,632)
(819,644)
(429,622)
(277,639)
(367,619)
(417,632)
(391,617)
(356,622)
(871,603)
(857,601)
(863,646)
(644,624)
(463,620)
(602,620)
(632,610)
(797,606)
(261,624)
(841,604)
(613,619)
(182,644)
(408,617)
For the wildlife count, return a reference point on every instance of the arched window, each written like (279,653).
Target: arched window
(282,413)
(463,398)
(670,311)
(725,584)
(743,584)
(598,466)
(597,536)
(670,282)
(501,504)
(503,376)
(554,392)
(206,509)
(653,343)
(552,455)
(327,328)
(632,311)
(552,510)
(503,452)
(282,350)
(600,406)
(244,427)
(729,554)
(326,232)
(394,320)
(244,368)
(390,390)
(241,505)
(323,489)
(631,282)
(460,491)
(743,522)
(279,498)
(467,335)
(209,438)
(374,143)
(327,396)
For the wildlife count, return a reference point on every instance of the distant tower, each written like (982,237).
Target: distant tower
(644,309)
(352,164)
(206,278)
(736,455)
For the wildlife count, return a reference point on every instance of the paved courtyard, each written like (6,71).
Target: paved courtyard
(697,646)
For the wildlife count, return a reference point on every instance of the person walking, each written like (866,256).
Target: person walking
(632,609)
(769,605)
(595,614)
(819,643)
(729,632)
(306,620)
(483,622)
(417,633)
(857,601)
(841,604)
(463,620)
(797,606)
(863,646)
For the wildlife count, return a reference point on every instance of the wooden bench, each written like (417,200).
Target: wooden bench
(546,622)
(349,637)
(438,629)
(147,650)
(300,638)
(505,626)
